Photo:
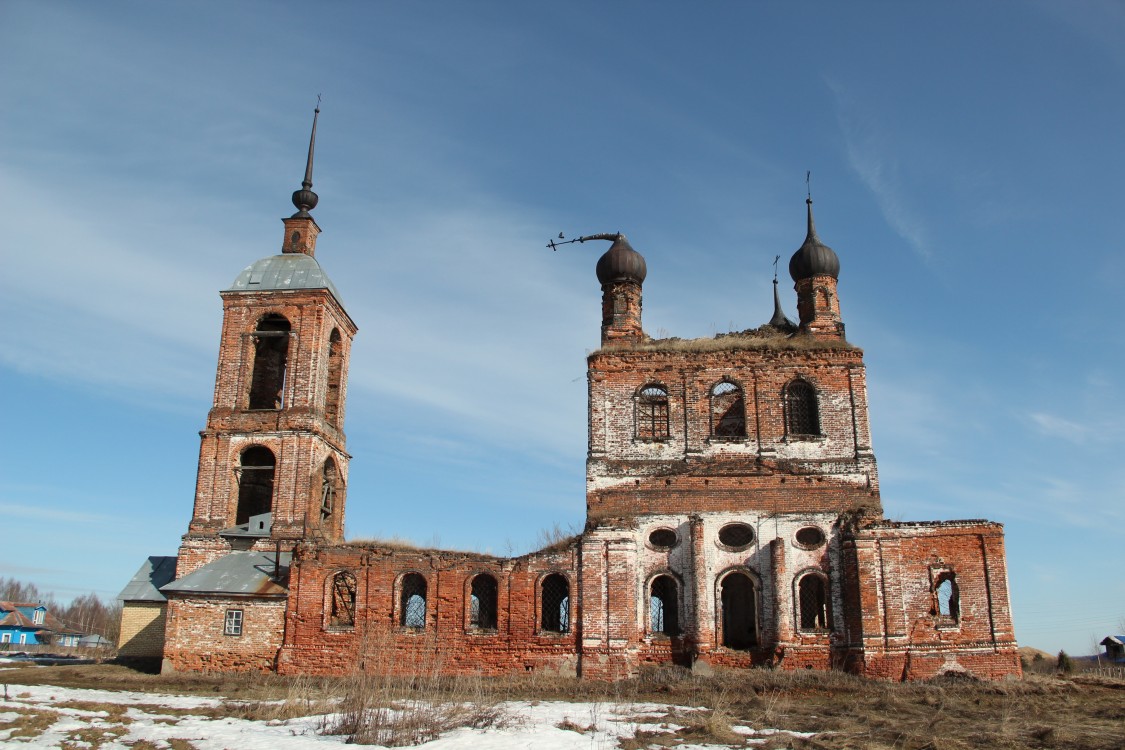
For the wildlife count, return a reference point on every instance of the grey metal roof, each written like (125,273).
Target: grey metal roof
(286,271)
(249,573)
(145,584)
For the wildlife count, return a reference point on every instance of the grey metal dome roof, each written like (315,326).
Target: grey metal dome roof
(813,258)
(621,263)
(288,271)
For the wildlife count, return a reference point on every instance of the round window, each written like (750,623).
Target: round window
(736,535)
(663,538)
(810,537)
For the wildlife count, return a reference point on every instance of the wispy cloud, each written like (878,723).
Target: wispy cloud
(869,152)
(1060,427)
(39,513)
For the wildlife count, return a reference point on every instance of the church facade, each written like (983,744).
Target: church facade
(733,511)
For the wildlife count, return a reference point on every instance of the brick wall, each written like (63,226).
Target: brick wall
(195,638)
(314,644)
(142,630)
(897,630)
(693,470)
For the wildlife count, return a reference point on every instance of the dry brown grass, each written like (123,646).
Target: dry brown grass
(1039,711)
(417,706)
(177,743)
(556,538)
(730,342)
(92,737)
(28,724)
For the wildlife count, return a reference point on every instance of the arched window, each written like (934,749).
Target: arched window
(652,413)
(664,607)
(329,486)
(554,610)
(948,598)
(412,612)
(271,350)
(728,411)
(739,605)
(482,603)
(801,414)
(255,483)
(812,599)
(341,611)
(335,376)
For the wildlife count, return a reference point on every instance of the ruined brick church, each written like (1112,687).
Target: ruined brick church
(733,511)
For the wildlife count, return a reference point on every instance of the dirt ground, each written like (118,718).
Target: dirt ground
(844,711)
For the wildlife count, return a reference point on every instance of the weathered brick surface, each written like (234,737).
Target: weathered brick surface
(517,643)
(195,638)
(806,502)
(142,630)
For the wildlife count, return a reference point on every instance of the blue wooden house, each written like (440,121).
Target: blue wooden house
(30,624)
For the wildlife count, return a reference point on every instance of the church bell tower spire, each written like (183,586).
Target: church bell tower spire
(301,229)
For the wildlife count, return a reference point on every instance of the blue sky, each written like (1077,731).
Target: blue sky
(967,168)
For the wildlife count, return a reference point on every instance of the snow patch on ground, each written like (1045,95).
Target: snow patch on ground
(158,719)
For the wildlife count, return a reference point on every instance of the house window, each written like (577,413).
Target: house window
(948,605)
(413,601)
(482,603)
(255,483)
(739,605)
(652,413)
(812,598)
(341,613)
(232,623)
(728,411)
(664,615)
(801,414)
(5,637)
(37,618)
(554,611)
(23,637)
(271,350)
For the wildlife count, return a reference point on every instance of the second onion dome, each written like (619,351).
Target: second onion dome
(621,263)
(813,258)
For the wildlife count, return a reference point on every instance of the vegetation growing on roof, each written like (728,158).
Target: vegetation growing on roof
(765,337)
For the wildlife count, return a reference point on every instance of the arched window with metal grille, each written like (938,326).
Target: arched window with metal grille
(554,609)
(482,602)
(412,609)
(812,602)
(664,606)
(728,411)
(652,413)
(802,417)
(341,608)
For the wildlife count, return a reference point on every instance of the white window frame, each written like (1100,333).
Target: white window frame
(23,638)
(233,621)
(5,637)
(37,618)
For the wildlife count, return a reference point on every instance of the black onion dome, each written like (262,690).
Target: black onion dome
(813,258)
(621,263)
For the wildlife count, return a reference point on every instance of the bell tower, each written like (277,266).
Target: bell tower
(273,463)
